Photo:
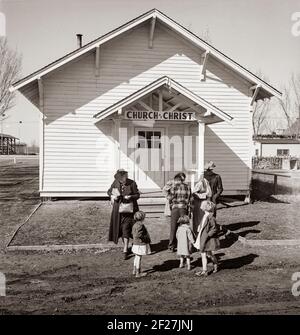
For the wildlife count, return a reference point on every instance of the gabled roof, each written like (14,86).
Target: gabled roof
(155,85)
(161,17)
(8,136)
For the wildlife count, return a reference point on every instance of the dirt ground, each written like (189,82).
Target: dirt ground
(251,280)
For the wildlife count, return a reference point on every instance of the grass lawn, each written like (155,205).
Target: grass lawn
(79,222)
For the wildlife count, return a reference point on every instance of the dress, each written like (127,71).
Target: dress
(141,239)
(185,238)
(141,250)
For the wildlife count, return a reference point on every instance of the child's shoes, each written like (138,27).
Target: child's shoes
(140,274)
(203,273)
(216,268)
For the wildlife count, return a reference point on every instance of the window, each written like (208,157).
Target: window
(283,152)
(256,152)
(149,139)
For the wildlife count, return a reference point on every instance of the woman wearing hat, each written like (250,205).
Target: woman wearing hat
(124,194)
(215,182)
(202,192)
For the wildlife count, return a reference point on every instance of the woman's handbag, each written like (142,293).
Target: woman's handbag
(126,207)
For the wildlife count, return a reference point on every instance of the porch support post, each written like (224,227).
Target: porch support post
(116,133)
(255,94)
(97,61)
(160,101)
(204,65)
(41,94)
(201,133)
(151,34)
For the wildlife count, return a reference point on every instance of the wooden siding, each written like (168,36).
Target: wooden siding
(79,155)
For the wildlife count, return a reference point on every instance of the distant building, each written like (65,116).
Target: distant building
(21,149)
(7,144)
(266,147)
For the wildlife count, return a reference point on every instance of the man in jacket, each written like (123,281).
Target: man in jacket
(180,194)
(215,182)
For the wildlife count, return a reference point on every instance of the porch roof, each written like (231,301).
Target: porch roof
(211,113)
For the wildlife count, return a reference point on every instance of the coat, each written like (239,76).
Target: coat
(207,239)
(140,234)
(215,182)
(115,219)
(202,191)
(185,238)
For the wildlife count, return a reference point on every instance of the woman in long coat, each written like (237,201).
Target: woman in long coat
(202,191)
(123,190)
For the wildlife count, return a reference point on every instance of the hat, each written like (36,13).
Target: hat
(120,173)
(209,165)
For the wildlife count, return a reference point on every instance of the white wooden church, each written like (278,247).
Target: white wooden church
(149,97)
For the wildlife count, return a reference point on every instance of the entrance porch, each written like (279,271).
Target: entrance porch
(159,131)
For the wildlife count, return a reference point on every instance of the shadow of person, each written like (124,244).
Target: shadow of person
(238,262)
(165,266)
(249,231)
(239,225)
(160,246)
(228,241)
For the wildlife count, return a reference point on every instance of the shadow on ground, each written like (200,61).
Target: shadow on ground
(232,263)
(160,246)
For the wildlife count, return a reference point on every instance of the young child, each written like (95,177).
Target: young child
(207,240)
(141,242)
(185,238)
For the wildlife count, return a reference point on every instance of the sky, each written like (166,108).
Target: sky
(256,33)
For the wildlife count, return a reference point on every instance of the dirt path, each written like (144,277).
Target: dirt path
(251,280)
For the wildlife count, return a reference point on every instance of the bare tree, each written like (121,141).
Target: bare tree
(10,66)
(206,36)
(290,103)
(260,116)
(260,112)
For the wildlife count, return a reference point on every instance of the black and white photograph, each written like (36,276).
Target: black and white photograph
(150,160)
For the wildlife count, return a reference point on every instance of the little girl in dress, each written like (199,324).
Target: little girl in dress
(141,242)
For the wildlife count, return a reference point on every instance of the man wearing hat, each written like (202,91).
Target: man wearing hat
(215,183)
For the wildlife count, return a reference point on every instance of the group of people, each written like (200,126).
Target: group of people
(193,217)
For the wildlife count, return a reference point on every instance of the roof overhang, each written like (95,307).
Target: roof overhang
(173,85)
(161,17)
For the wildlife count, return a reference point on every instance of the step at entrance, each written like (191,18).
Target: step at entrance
(152,202)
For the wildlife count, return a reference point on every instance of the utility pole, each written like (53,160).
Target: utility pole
(20,122)
(298,123)
(2,116)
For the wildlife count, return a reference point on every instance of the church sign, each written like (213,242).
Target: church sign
(159,116)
